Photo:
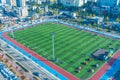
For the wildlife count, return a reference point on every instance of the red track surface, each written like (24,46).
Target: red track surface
(55,67)
(105,67)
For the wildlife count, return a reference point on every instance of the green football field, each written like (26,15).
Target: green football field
(72,46)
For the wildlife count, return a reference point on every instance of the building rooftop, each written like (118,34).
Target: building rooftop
(101,53)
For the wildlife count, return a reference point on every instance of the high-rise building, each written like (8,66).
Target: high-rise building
(11,2)
(110,3)
(3,1)
(53,1)
(21,3)
(23,12)
(76,3)
(92,0)
(37,1)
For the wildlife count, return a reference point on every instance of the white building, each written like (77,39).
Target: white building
(43,0)
(1,15)
(4,20)
(3,1)
(92,0)
(11,2)
(23,12)
(110,3)
(38,1)
(77,3)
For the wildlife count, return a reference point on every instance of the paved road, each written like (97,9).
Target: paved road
(28,63)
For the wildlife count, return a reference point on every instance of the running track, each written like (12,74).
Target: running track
(96,76)
(52,65)
(105,67)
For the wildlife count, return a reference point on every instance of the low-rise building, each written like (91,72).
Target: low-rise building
(115,10)
(105,9)
(96,20)
(76,3)
(4,20)
(101,54)
(96,10)
(92,0)
(36,1)
(11,2)
(110,3)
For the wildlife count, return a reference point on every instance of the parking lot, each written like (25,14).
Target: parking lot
(28,63)
(1,77)
(5,73)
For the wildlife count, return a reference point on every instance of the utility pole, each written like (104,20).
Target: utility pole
(53,51)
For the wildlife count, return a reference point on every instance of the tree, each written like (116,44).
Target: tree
(1,26)
(106,30)
(117,19)
(100,29)
(79,20)
(23,77)
(55,12)
(77,13)
(110,27)
(35,4)
(10,65)
(94,24)
(90,25)
(84,25)
(91,15)
(94,15)
(39,11)
(107,18)
(6,60)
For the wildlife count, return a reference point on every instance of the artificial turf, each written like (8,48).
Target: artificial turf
(72,46)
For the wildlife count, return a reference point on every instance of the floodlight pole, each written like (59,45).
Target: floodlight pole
(10,26)
(57,16)
(57,13)
(53,51)
(12,33)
